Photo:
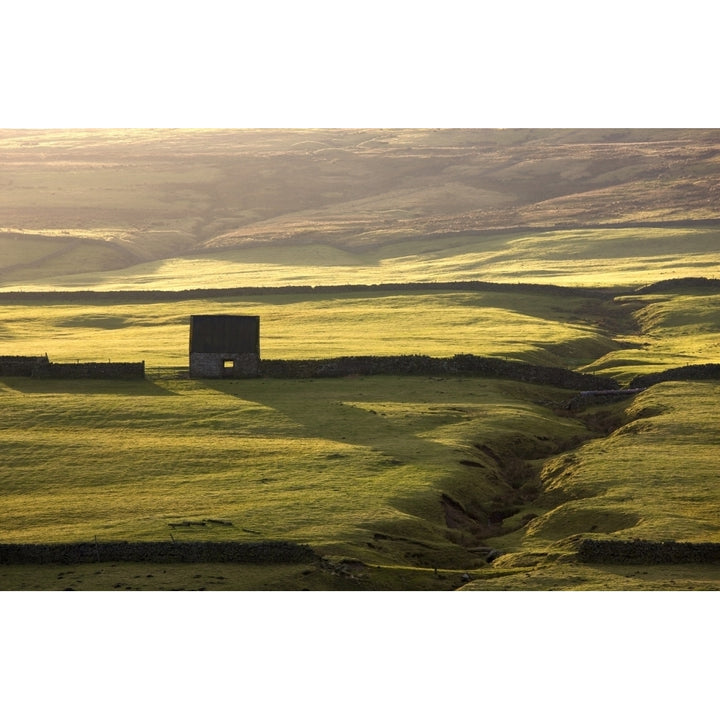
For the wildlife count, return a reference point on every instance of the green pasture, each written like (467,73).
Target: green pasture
(227,576)
(358,467)
(402,473)
(653,478)
(625,336)
(620,258)
(535,327)
(594,578)
(331,463)
(673,329)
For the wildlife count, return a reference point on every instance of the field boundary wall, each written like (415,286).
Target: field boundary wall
(22,365)
(707,371)
(646,552)
(144,296)
(93,370)
(41,367)
(161,552)
(468,365)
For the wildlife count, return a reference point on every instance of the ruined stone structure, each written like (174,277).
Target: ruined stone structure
(224,346)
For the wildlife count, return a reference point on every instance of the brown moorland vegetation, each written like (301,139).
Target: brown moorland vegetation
(110,199)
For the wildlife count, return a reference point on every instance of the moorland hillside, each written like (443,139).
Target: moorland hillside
(606,245)
(102,200)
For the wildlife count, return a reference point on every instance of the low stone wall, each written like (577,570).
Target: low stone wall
(471,365)
(93,370)
(160,552)
(646,552)
(586,398)
(707,371)
(115,297)
(686,283)
(41,367)
(22,365)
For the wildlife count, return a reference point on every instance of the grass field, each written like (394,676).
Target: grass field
(364,460)
(124,460)
(537,327)
(370,463)
(623,257)
(399,482)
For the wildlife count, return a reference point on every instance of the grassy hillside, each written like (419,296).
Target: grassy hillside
(653,478)
(538,327)
(216,208)
(674,328)
(399,482)
(406,475)
(358,456)
(616,257)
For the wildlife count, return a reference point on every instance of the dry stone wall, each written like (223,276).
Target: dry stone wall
(646,552)
(707,371)
(41,367)
(22,365)
(470,365)
(94,370)
(75,553)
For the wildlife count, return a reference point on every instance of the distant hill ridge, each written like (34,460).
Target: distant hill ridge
(111,199)
(81,296)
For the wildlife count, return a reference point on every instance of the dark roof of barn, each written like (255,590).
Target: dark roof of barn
(225,333)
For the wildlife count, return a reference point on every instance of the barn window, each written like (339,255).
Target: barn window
(228,364)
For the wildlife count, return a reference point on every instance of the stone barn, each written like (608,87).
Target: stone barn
(224,346)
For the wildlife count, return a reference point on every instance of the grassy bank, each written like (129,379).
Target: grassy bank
(608,256)
(418,473)
(533,326)
(357,456)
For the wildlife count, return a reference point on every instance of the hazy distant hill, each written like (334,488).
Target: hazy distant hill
(95,200)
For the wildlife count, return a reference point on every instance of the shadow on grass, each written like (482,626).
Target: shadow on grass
(325,409)
(341,410)
(84,386)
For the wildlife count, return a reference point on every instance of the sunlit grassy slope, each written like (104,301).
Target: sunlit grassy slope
(654,478)
(328,462)
(651,478)
(536,327)
(609,257)
(397,472)
(366,461)
(675,328)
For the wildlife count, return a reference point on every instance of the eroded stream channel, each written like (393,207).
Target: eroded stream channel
(522,471)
